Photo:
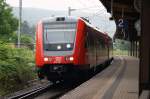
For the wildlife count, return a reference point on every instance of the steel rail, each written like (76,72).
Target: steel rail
(31,92)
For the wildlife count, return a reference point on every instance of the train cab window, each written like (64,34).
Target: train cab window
(59,36)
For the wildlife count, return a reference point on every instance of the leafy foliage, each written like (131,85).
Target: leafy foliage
(25,39)
(121,47)
(8,23)
(121,44)
(26,28)
(16,68)
(16,64)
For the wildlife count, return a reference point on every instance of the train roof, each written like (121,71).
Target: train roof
(60,19)
(97,29)
(71,19)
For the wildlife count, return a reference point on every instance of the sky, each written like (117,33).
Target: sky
(86,5)
(93,7)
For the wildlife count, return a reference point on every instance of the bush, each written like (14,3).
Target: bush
(16,68)
(26,40)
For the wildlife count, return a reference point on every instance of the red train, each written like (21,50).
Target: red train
(66,46)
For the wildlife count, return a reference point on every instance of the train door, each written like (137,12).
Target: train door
(95,50)
(87,49)
(98,50)
(102,50)
(90,48)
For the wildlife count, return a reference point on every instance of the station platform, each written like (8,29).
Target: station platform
(118,81)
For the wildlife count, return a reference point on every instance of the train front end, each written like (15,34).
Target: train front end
(55,47)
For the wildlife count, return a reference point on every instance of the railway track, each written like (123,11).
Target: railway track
(31,93)
(46,91)
(49,90)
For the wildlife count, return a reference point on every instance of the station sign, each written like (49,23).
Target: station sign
(122,23)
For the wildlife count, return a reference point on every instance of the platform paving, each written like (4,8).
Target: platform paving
(118,81)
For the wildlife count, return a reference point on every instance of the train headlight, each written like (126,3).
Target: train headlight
(58,47)
(45,59)
(71,58)
(68,45)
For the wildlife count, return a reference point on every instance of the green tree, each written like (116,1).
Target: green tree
(25,28)
(8,23)
(25,38)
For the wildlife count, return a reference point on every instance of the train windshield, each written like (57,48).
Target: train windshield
(59,37)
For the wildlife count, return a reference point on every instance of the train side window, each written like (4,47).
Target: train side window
(100,43)
(87,41)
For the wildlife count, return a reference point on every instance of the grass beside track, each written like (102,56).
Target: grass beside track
(121,52)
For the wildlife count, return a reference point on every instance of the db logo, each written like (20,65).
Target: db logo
(58,60)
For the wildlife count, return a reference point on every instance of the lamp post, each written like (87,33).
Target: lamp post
(69,11)
(20,19)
